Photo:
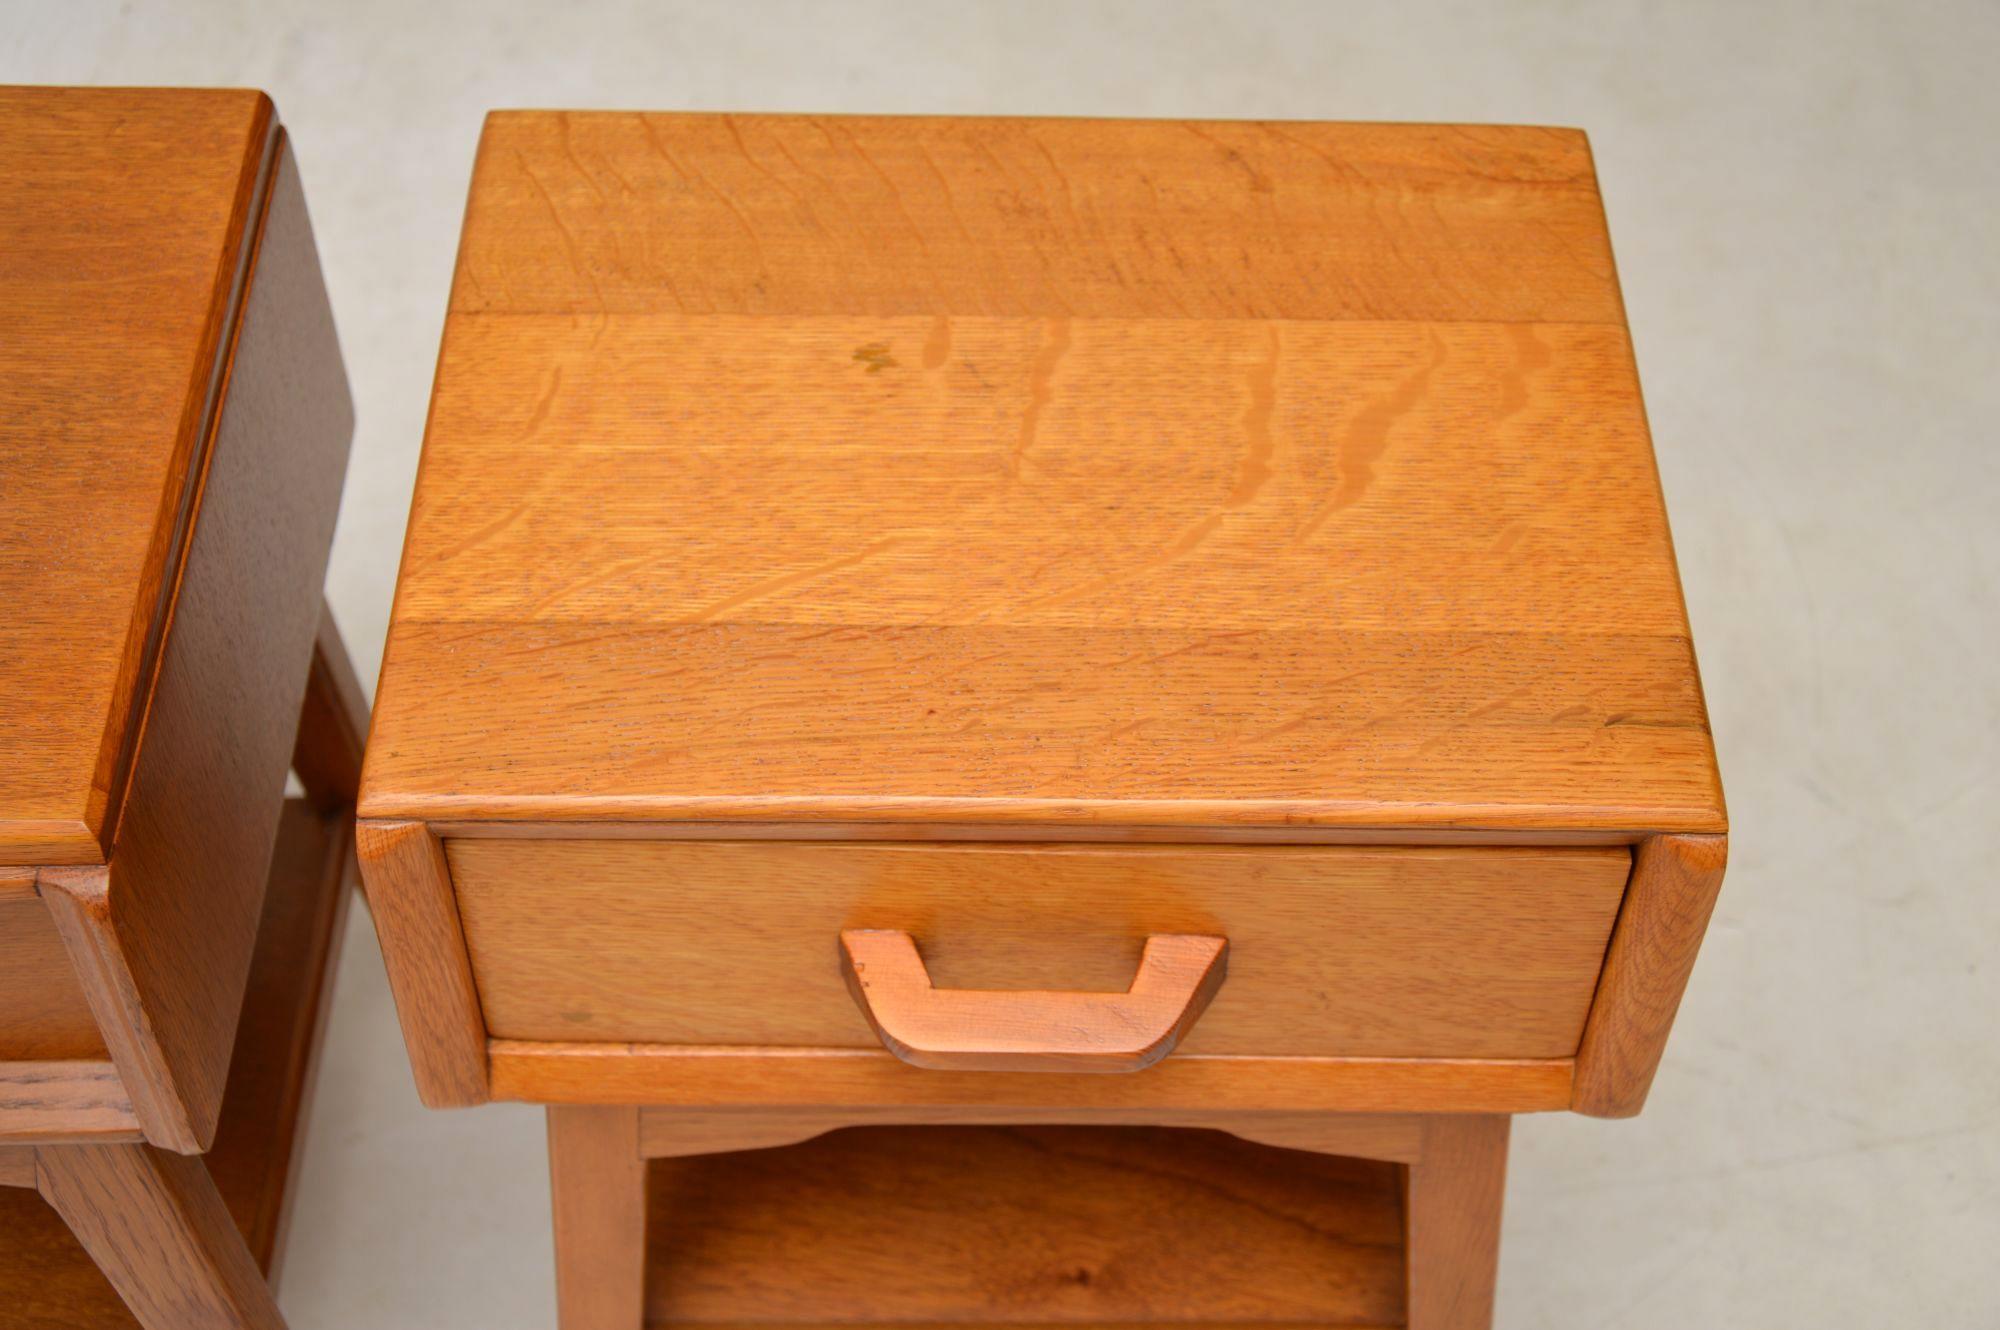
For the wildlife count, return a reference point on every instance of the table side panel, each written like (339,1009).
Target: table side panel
(174,921)
(279,1039)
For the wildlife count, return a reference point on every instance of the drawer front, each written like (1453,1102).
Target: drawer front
(44,1016)
(1334,950)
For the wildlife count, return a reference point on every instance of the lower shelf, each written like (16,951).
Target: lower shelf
(1024,1226)
(46,1279)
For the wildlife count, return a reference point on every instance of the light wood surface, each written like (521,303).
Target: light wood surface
(416,918)
(162,937)
(666,1133)
(74,1099)
(47,1280)
(171,455)
(977,472)
(1015,539)
(1024,1225)
(789,215)
(125,230)
(17,1166)
(1038,833)
(597,1179)
(1675,881)
(1335,951)
(155,1225)
(721,1077)
(43,1013)
(965,1029)
(278,1041)
(146,1056)
(1452,1198)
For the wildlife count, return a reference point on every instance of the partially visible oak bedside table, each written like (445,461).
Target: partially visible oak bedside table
(863,569)
(174,425)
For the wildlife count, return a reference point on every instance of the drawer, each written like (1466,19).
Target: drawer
(1354,951)
(44,1015)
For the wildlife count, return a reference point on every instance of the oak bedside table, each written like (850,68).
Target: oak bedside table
(174,425)
(878,590)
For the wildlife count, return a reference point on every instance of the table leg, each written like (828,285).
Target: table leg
(158,1229)
(598,1181)
(1451,1210)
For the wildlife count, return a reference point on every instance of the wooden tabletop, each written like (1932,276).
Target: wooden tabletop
(122,226)
(961,471)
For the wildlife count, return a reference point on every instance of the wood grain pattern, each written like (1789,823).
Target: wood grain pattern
(548,1073)
(674,1132)
(17,1166)
(75,1099)
(597,1179)
(1675,881)
(983,472)
(154,1223)
(1160,407)
(787,215)
(171,452)
(147,1058)
(1335,951)
(262,1130)
(118,321)
(964,1029)
(1038,833)
(416,919)
(1023,502)
(43,1013)
(162,938)
(48,1281)
(1452,1201)
(1024,1225)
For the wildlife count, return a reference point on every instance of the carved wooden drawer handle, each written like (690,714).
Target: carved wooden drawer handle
(966,1029)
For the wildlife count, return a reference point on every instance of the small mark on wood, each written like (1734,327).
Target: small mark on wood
(876,356)
(1368,437)
(1263,391)
(937,348)
(1510,536)
(1634,718)
(1530,357)
(1041,379)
